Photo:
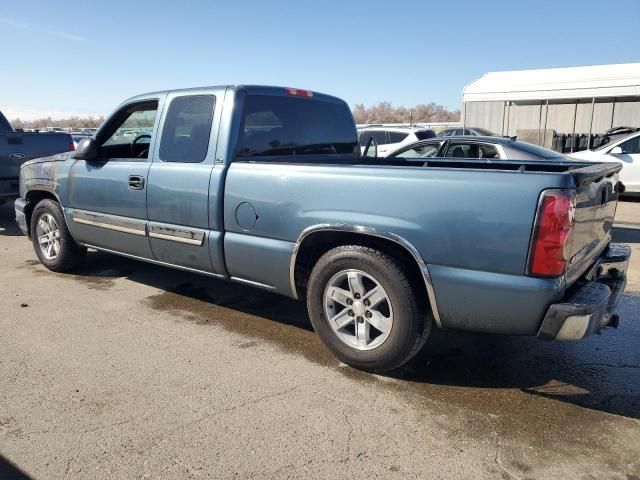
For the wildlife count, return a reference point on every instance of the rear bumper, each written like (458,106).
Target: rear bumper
(9,188)
(590,304)
(21,218)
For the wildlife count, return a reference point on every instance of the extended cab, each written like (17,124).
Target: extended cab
(266,186)
(19,147)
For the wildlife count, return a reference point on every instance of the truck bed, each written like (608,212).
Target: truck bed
(472,222)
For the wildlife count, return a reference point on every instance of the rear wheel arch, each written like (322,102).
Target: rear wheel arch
(314,242)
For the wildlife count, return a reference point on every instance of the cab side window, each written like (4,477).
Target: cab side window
(187,128)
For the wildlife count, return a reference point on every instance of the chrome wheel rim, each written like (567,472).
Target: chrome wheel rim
(358,309)
(48,235)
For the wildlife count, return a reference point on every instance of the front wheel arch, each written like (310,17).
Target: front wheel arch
(33,197)
(67,253)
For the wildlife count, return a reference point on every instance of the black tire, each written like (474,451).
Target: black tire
(412,321)
(70,254)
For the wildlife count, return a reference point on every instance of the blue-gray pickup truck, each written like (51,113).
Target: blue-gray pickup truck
(267,186)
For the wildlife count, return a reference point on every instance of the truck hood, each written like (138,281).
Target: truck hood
(59,157)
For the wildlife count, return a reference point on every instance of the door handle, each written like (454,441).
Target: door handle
(136,182)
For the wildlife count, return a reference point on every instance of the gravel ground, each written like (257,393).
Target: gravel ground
(128,370)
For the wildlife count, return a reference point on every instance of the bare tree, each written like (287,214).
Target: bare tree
(384,112)
(73,122)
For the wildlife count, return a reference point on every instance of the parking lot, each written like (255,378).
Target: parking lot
(129,370)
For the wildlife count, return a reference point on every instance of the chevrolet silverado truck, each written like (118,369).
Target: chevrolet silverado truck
(266,186)
(19,147)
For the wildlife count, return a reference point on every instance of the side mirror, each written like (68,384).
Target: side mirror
(371,143)
(615,151)
(87,149)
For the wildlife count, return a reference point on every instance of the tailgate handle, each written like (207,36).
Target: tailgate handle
(136,182)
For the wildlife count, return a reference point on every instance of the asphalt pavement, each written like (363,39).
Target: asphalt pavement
(129,370)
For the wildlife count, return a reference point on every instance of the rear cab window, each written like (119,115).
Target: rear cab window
(273,125)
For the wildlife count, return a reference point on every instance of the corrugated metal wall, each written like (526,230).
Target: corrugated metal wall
(572,116)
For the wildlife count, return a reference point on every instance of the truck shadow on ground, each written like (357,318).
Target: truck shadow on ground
(600,373)
(8,471)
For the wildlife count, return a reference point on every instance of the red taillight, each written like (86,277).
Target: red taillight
(72,146)
(296,92)
(556,217)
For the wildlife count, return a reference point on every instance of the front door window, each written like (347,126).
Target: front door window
(129,133)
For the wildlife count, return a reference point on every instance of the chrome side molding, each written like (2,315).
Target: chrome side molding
(431,295)
(163,231)
(175,233)
(110,222)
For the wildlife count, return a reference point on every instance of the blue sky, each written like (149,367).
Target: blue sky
(87,56)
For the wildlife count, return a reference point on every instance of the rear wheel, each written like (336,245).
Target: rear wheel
(51,239)
(365,310)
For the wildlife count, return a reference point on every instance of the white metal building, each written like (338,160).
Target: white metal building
(536,104)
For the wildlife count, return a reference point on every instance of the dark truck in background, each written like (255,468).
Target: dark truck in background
(18,147)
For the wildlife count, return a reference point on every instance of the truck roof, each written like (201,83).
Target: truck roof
(249,89)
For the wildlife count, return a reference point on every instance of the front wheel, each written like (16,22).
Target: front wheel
(51,239)
(364,309)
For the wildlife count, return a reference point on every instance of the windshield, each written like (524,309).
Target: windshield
(278,125)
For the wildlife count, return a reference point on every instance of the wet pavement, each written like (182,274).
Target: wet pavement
(125,369)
